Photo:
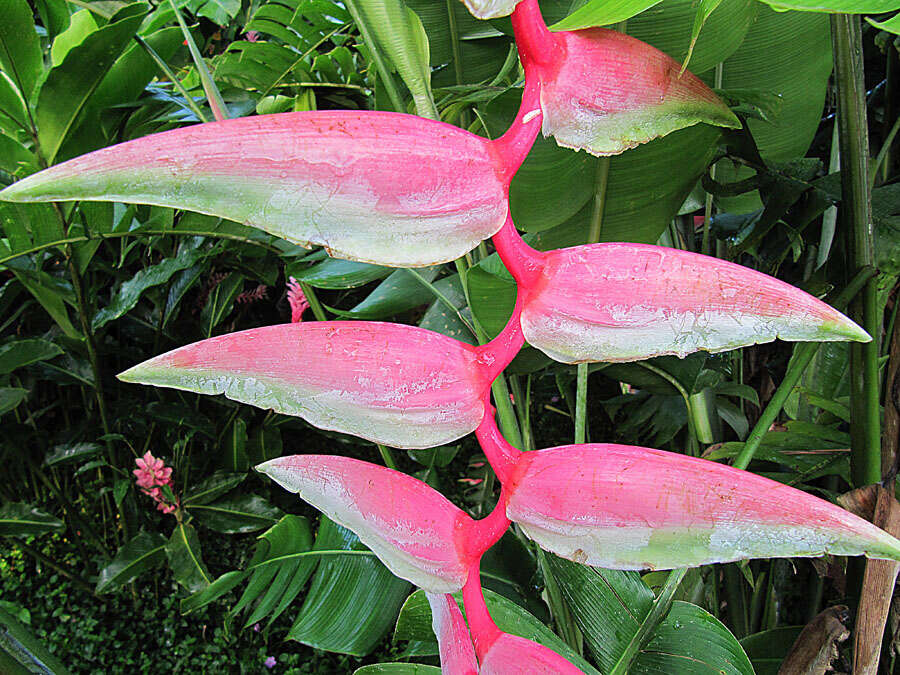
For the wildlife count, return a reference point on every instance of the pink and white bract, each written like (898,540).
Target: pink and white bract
(397,385)
(605,92)
(625,302)
(387,188)
(625,507)
(410,526)
(457,652)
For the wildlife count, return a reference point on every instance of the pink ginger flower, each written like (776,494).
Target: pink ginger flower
(152,475)
(270,662)
(252,36)
(297,300)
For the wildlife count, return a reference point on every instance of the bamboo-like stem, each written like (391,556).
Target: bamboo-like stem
(856,214)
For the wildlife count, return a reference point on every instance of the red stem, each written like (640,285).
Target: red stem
(500,454)
(534,39)
(513,146)
(522,261)
(499,352)
(484,631)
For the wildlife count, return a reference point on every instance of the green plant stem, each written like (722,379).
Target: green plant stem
(658,612)
(581,403)
(856,213)
(734,598)
(384,73)
(387,456)
(216,104)
(314,304)
(137,233)
(49,562)
(164,67)
(803,355)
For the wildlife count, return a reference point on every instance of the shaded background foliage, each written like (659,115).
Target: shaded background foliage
(89,289)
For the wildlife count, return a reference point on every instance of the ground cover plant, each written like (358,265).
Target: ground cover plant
(396,198)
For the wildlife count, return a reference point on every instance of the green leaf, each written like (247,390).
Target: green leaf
(129,293)
(400,292)
(213,487)
(69,453)
(768,649)
(264,444)
(20,519)
(603,13)
(143,552)
(235,446)
(81,24)
(19,353)
(704,9)
(20,651)
(50,299)
(20,49)
(414,623)
(213,592)
(69,86)
(611,608)
(14,155)
(335,273)
(220,12)
(237,515)
(836,6)
(400,36)
(398,669)
(276,578)
(221,301)
(892,25)
(10,397)
(348,591)
(185,559)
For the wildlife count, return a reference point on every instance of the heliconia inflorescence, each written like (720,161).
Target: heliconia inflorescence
(403,191)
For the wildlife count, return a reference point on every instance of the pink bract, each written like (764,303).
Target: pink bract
(626,507)
(388,188)
(605,92)
(625,302)
(410,526)
(457,652)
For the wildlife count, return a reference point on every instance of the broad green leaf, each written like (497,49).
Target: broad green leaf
(276,577)
(398,33)
(69,86)
(348,591)
(213,487)
(10,397)
(213,592)
(400,292)
(143,552)
(610,607)
(463,51)
(19,353)
(237,515)
(767,649)
(398,669)
(127,295)
(603,13)
(892,25)
(335,273)
(13,106)
(185,559)
(836,6)
(414,623)
(20,49)
(19,519)
(71,452)
(704,9)
(20,652)
(264,444)
(220,12)
(14,155)
(81,25)
(220,302)
(50,299)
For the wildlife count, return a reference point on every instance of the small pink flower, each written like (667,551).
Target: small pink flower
(251,36)
(270,662)
(297,300)
(151,475)
(256,627)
